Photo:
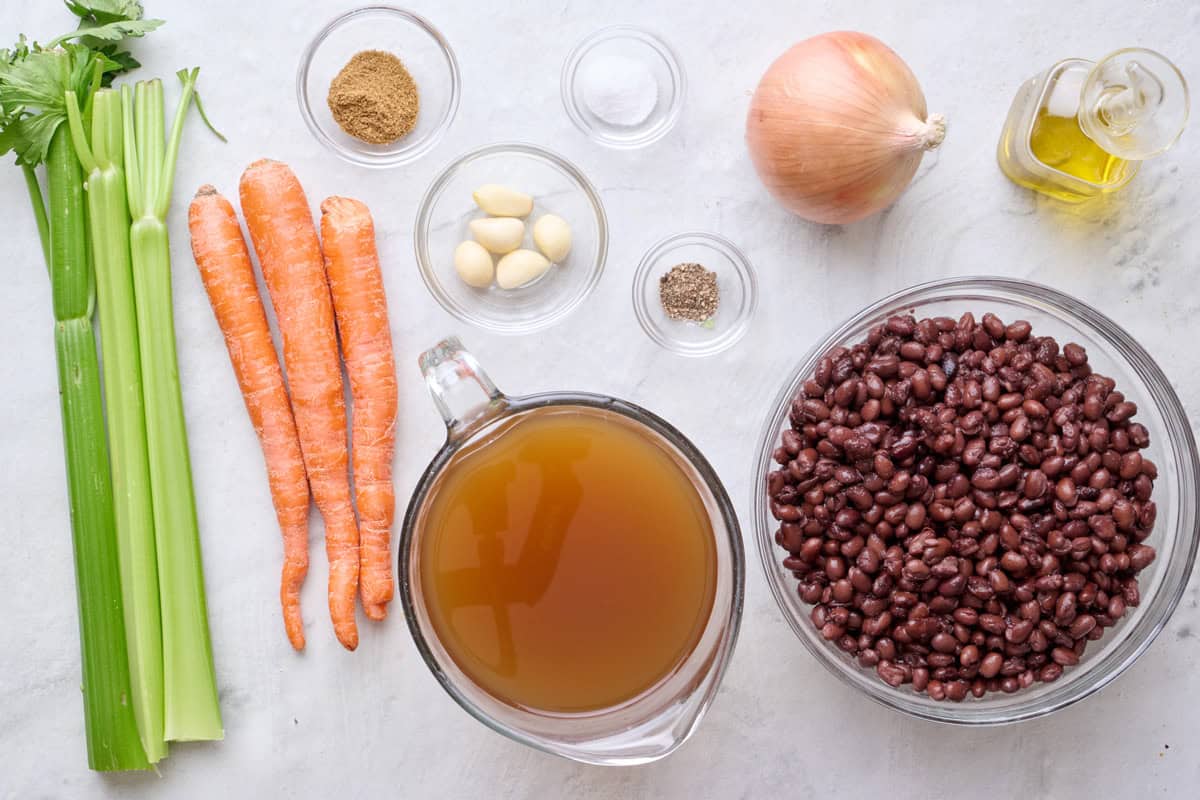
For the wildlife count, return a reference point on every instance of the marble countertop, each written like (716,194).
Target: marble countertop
(374,723)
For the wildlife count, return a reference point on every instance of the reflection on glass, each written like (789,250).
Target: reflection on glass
(496,583)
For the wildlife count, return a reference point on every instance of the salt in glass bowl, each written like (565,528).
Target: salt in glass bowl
(736,284)
(557,187)
(1112,351)
(426,55)
(644,48)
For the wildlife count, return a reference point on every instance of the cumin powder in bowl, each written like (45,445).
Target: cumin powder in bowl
(374,98)
(378,86)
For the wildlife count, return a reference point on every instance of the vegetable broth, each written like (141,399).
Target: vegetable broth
(567,561)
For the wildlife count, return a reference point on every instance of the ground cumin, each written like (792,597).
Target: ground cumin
(374,98)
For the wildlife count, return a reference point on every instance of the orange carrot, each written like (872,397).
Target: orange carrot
(220,253)
(356,284)
(281,229)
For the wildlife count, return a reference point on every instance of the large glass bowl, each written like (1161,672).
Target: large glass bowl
(1111,351)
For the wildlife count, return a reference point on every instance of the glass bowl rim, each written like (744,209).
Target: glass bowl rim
(742,266)
(1117,341)
(651,39)
(403,155)
(424,217)
(731,624)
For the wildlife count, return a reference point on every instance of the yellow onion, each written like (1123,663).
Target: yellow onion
(837,127)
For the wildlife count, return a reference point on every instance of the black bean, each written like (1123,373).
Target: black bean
(1018,331)
(1140,557)
(991,664)
(1064,657)
(944,643)
(891,674)
(964,503)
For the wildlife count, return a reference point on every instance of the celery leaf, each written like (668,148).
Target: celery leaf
(92,35)
(102,21)
(33,85)
(29,137)
(105,11)
(35,79)
(117,61)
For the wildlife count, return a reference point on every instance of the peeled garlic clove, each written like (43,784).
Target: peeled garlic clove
(519,268)
(473,264)
(552,235)
(501,201)
(498,234)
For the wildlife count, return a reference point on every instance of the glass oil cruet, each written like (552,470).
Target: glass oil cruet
(1081,128)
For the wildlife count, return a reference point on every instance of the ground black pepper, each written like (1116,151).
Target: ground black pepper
(689,292)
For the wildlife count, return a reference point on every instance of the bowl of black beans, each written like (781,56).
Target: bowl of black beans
(977,500)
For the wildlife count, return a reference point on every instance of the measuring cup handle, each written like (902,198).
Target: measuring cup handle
(445,366)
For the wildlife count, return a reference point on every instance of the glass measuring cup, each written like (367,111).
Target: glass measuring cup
(641,729)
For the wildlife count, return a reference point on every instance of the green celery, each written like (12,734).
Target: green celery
(112,736)
(192,710)
(108,223)
(34,81)
(39,209)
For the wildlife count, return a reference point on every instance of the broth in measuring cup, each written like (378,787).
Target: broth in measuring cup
(567,560)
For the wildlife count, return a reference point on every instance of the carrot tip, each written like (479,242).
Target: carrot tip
(206,190)
(375,611)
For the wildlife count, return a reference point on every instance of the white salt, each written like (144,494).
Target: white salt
(619,90)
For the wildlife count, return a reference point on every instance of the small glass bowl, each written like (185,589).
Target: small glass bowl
(735,282)
(1112,352)
(557,187)
(626,42)
(426,55)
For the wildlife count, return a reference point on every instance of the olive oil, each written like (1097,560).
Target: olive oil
(567,560)
(1060,143)
(1081,128)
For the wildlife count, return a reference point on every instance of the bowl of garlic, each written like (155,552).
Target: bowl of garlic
(511,237)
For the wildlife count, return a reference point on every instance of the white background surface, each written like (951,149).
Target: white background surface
(374,723)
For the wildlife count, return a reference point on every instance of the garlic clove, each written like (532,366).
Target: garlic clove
(473,264)
(502,201)
(498,234)
(519,268)
(552,235)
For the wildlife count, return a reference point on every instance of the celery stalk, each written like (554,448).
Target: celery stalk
(112,736)
(108,223)
(39,209)
(192,710)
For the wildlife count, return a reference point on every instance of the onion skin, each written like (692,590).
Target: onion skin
(837,127)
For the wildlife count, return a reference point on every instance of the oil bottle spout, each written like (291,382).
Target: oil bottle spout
(1125,107)
(1134,104)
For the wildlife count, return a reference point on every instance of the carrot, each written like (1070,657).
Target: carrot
(220,253)
(352,266)
(281,229)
